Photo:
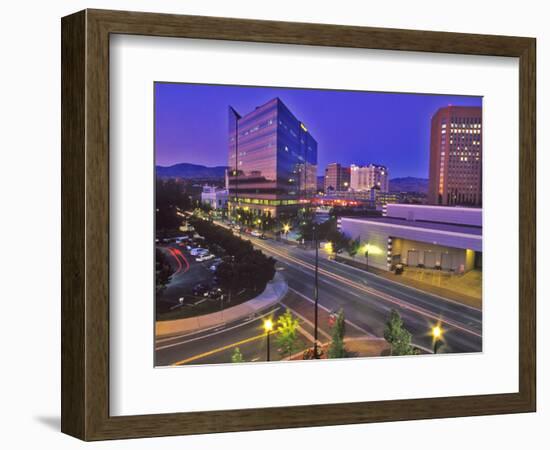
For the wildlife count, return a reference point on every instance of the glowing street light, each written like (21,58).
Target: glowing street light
(437,333)
(268,327)
(286,228)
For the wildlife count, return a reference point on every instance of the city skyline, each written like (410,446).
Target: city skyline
(351,127)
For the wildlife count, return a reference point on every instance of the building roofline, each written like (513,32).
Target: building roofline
(454,208)
(415,228)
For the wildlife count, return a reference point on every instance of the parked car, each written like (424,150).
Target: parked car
(198,251)
(214,293)
(256,233)
(205,258)
(200,289)
(263,236)
(214,266)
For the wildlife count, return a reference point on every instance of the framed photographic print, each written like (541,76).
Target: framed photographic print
(270,224)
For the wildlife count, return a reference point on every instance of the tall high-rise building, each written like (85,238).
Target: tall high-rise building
(272,160)
(456,157)
(336,178)
(369,177)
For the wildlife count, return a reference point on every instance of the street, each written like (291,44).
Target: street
(366,299)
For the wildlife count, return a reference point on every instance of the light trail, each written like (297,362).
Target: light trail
(368,290)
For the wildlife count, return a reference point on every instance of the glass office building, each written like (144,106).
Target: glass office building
(272,160)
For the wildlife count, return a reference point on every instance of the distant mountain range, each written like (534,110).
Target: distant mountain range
(197,171)
(185,170)
(409,184)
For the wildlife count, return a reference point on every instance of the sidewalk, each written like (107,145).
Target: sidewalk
(272,294)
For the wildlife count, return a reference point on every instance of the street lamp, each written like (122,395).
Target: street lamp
(316,291)
(268,326)
(437,333)
(286,228)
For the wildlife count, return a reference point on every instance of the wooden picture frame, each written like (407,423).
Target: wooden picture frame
(85,224)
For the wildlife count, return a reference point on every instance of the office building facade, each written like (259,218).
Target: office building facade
(272,160)
(456,157)
(337,178)
(369,177)
(425,236)
(214,197)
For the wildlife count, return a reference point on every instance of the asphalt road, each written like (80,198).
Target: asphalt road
(366,299)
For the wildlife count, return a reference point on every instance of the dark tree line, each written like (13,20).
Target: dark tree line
(244,267)
(163,271)
(170,194)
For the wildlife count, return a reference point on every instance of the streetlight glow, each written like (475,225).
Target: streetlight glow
(268,325)
(437,335)
(286,227)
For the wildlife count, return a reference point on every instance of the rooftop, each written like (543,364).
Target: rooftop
(421,224)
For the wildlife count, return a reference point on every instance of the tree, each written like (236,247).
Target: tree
(237,356)
(397,336)
(353,247)
(337,348)
(163,271)
(338,239)
(246,268)
(287,332)
(170,194)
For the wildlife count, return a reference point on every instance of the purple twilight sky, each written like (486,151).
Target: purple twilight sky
(349,126)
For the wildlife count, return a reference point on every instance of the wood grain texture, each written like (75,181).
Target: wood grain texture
(73,318)
(85,224)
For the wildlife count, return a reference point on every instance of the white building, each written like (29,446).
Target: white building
(213,196)
(368,177)
(446,238)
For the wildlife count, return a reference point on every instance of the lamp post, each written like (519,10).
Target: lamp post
(316,290)
(268,326)
(367,257)
(437,332)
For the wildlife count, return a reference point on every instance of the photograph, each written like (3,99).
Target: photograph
(297,224)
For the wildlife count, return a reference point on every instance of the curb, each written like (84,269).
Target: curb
(274,291)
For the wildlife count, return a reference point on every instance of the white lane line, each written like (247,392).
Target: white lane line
(311,324)
(407,286)
(388,298)
(357,327)
(217,332)
(294,255)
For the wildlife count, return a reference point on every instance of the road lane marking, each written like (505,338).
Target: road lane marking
(309,322)
(220,349)
(407,286)
(218,331)
(349,322)
(401,303)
